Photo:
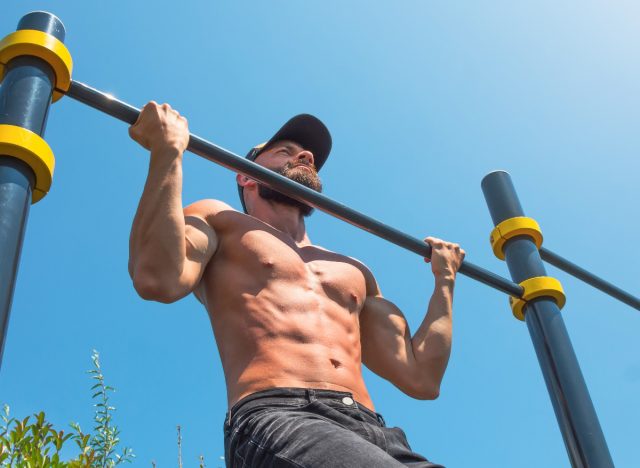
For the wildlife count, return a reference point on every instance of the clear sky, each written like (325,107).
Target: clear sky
(423,98)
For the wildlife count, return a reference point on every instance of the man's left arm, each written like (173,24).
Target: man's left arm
(415,365)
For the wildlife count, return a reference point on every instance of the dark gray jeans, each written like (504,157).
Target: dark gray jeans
(298,427)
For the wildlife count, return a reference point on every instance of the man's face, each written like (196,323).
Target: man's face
(294,162)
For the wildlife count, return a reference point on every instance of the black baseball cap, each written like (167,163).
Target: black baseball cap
(306,130)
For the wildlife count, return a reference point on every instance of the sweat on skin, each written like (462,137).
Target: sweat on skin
(285,312)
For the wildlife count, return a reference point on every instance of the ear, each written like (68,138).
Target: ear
(244,181)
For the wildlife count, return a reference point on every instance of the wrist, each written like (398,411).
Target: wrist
(444,279)
(166,151)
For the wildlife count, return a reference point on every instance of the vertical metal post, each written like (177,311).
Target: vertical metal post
(572,404)
(25,97)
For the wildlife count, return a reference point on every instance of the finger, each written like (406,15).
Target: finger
(145,110)
(437,243)
(150,105)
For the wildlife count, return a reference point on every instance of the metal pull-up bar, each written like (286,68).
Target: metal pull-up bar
(129,114)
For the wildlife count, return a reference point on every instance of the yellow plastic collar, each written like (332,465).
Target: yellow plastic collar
(41,45)
(539,286)
(512,227)
(29,147)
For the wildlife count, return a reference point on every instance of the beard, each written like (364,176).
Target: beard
(308,178)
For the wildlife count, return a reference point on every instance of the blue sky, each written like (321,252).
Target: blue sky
(423,98)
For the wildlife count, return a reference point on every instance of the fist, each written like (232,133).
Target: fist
(446,258)
(160,126)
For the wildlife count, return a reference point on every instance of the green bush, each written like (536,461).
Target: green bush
(35,443)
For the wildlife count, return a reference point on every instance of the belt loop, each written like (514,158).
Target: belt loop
(381,420)
(311,395)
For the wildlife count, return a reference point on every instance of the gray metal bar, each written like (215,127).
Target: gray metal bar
(572,404)
(129,114)
(25,97)
(589,278)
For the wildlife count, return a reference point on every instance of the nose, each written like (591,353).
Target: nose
(307,156)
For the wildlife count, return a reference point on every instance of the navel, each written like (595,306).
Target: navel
(337,364)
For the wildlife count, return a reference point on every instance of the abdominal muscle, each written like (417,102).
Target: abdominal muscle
(286,335)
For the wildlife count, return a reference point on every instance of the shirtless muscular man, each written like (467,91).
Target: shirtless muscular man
(293,321)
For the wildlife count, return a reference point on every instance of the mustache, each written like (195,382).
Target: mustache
(291,165)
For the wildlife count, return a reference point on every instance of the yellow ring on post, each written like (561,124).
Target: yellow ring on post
(509,228)
(23,144)
(534,288)
(42,45)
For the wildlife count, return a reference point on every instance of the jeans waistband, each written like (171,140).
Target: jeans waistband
(308,394)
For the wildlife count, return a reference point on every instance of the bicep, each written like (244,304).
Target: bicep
(385,339)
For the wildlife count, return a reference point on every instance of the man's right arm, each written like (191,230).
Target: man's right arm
(169,247)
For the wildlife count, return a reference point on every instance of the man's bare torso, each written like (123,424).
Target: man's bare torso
(283,315)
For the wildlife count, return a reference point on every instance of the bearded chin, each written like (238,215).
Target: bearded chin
(309,179)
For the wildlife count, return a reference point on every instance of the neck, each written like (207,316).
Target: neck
(284,218)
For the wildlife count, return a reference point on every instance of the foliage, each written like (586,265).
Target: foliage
(107,436)
(35,443)
(30,444)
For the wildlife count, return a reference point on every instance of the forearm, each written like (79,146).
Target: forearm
(157,242)
(431,344)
